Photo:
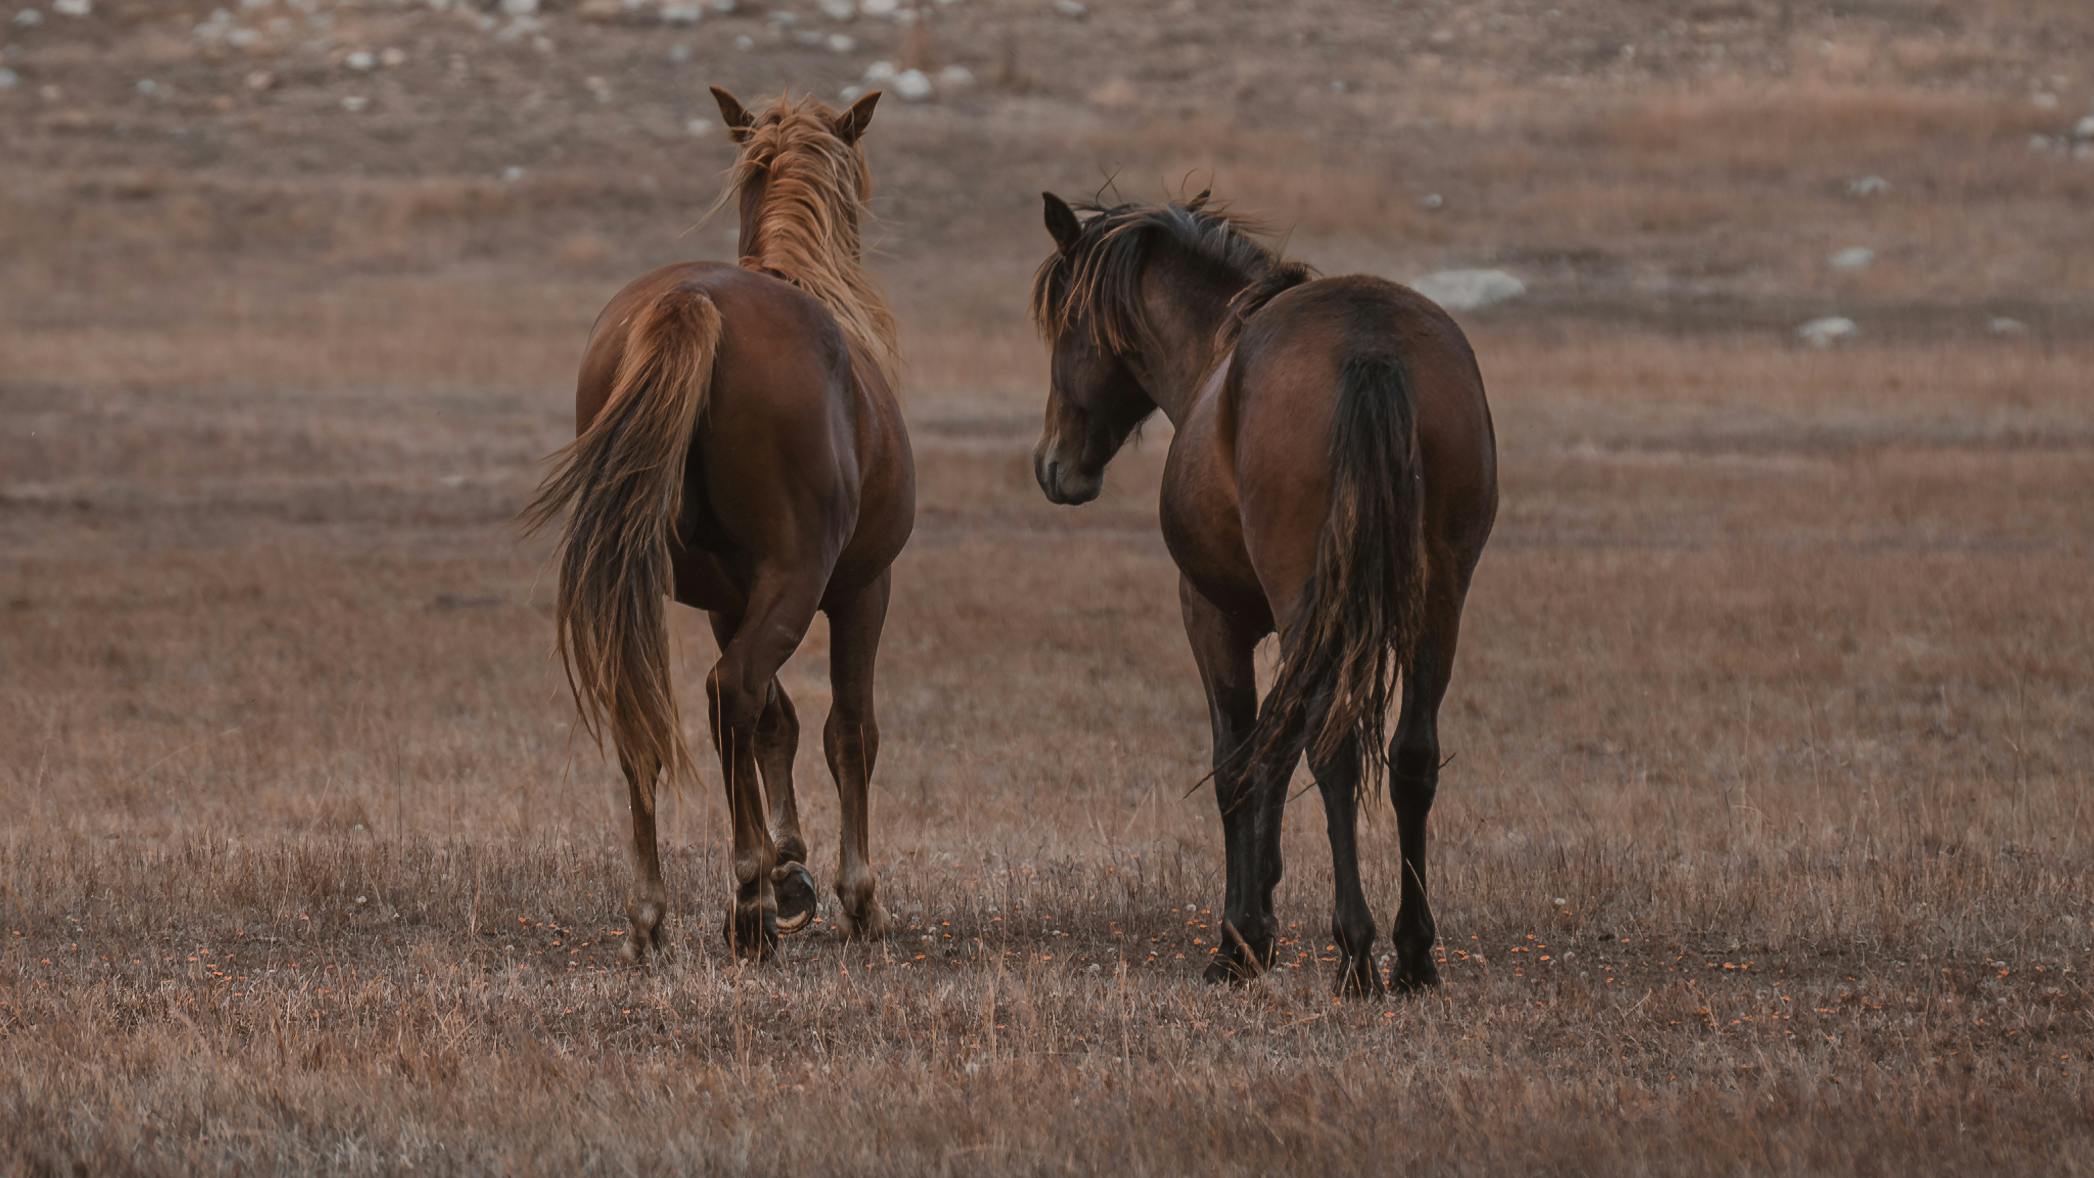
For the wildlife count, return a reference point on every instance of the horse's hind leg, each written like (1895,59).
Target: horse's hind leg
(650,900)
(1352,921)
(777,739)
(738,693)
(851,739)
(1414,776)
(1222,648)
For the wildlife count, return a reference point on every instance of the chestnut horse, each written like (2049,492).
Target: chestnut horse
(1333,476)
(741,448)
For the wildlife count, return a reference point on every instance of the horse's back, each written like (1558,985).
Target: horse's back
(799,455)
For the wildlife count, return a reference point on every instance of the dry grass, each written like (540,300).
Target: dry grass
(1766,847)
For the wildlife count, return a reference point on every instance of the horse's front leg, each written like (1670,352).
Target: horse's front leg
(1222,647)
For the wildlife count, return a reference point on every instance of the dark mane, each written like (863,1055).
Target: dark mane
(1096,283)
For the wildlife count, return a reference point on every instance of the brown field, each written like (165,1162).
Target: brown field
(1768,845)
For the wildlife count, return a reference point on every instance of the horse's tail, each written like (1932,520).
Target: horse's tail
(1358,617)
(622,484)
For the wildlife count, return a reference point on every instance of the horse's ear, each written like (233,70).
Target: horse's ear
(731,112)
(1062,222)
(852,123)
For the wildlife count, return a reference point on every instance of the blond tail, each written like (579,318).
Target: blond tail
(621,484)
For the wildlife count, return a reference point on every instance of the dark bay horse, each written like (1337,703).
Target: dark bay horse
(741,448)
(1333,477)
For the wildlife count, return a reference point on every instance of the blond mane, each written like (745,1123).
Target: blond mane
(807,228)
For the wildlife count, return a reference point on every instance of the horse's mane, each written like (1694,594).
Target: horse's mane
(1095,284)
(807,228)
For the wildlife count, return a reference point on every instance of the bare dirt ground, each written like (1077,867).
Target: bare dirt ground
(1767,844)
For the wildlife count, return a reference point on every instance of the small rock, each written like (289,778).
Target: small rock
(353,103)
(2003,325)
(851,93)
(520,7)
(146,86)
(1073,9)
(362,59)
(697,127)
(512,173)
(1432,202)
(679,54)
(877,8)
(9,79)
(2041,143)
(744,42)
(2084,129)
(841,42)
(2044,100)
(912,85)
(1868,186)
(723,7)
(72,7)
(955,77)
(839,9)
(261,80)
(1824,333)
(392,58)
(1469,290)
(28,18)
(1858,257)
(681,12)
(880,73)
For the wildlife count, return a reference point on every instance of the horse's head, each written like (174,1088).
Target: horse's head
(799,162)
(1094,400)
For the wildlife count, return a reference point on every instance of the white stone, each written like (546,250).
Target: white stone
(2003,325)
(9,79)
(1854,257)
(29,18)
(2084,129)
(879,7)
(697,127)
(1468,290)
(72,7)
(681,12)
(850,93)
(1073,9)
(1868,186)
(2044,100)
(839,9)
(841,43)
(912,85)
(520,7)
(362,59)
(1824,333)
(354,103)
(512,173)
(955,77)
(879,73)
(1432,202)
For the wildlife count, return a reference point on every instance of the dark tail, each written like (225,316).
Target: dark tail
(1358,617)
(621,484)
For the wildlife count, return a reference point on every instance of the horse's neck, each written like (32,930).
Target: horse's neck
(1181,352)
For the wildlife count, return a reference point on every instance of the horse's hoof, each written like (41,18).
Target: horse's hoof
(752,931)
(1359,977)
(645,936)
(794,889)
(869,923)
(1415,977)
